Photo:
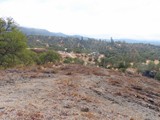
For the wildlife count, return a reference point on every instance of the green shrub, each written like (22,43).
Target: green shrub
(68,60)
(157,76)
(141,67)
(27,57)
(104,62)
(78,61)
(151,66)
(9,60)
(73,60)
(78,50)
(49,56)
(12,44)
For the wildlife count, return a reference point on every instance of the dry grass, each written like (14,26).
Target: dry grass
(89,115)
(62,96)
(80,69)
(69,82)
(84,97)
(29,115)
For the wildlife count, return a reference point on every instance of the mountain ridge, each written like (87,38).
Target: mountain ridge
(36,31)
(44,32)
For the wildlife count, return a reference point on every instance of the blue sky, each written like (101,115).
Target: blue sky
(134,19)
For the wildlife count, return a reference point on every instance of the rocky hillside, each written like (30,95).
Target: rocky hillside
(77,92)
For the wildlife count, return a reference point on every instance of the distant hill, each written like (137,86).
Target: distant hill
(43,32)
(153,42)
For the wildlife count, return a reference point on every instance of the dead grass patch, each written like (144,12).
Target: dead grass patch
(69,82)
(115,83)
(86,70)
(29,115)
(89,115)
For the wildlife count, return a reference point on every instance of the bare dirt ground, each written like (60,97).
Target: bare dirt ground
(75,92)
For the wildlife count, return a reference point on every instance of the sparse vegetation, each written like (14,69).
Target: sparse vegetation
(118,55)
(80,95)
(70,60)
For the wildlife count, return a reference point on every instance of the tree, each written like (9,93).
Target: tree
(112,41)
(12,43)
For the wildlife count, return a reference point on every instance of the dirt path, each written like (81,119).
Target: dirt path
(77,93)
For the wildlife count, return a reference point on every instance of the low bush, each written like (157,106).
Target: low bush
(78,61)
(68,60)
(49,56)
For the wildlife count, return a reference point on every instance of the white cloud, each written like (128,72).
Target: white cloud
(119,18)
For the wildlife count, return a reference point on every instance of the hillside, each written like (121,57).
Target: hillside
(112,49)
(43,32)
(77,92)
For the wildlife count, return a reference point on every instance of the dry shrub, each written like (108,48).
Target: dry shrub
(80,97)
(85,97)
(89,115)
(75,94)
(131,119)
(68,82)
(48,65)
(47,69)
(86,70)
(115,82)
(30,115)
(118,93)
